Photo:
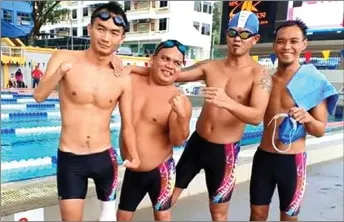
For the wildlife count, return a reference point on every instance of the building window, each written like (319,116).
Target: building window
(143,27)
(84,31)
(85,12)
(134,27)
(205,29)
(163,4)
(153,3)
(64,17)
(127,5)
(7,15)
(141,5)
(196,25)
(23,18)
(42,35)
(197,6)
(75,32)
(207,7)
(74,15)
(163,24)
(52,34)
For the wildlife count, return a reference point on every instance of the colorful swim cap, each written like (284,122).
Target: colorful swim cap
(246,20)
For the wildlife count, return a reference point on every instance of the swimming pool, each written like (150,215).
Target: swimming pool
(30,136)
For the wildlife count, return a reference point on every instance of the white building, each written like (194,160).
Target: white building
(151,22)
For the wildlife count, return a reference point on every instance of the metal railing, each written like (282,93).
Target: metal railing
(341,90)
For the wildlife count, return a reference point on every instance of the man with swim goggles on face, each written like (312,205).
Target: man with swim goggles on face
(161,115)
(89,91)
(237,94)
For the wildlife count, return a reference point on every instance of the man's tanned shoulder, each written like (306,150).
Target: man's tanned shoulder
(263,77)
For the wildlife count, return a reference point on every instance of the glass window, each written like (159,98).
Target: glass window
(85,12)
(7,15)
(74,14)
(75,31)
(127,5)
(207,7)
(84,31)
(52,34)
(23,18)
(196,25)
(163,4)
(205,29)
(163,24)
(197,6)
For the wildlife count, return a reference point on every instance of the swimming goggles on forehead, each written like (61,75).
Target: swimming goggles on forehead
(105,15)
(242,34)
(171,44)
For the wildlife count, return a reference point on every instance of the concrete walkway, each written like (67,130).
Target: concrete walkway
(323,199)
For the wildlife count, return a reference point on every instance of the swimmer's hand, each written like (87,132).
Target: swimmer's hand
(216,96)
(64,68)
(117,64)
(300,115)
(133,164)
(178,104)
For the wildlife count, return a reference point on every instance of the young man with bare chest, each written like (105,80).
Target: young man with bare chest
(161,117)
(237,94)
(88,92)
(278,162)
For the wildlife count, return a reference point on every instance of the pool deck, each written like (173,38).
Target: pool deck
(323,200)
(41,193)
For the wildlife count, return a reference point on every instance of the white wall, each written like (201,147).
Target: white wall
(334,75)
(34,58)
(181,26)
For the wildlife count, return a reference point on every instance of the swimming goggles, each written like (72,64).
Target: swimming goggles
(171,44)
(242,34)
(105,15)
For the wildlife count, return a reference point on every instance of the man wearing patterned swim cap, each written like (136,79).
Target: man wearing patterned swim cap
(244,25)
(246,20)
(237,93)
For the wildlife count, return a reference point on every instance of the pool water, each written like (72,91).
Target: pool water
(27,156)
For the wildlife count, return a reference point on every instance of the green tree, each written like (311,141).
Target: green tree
(44,12)
(215,38)
(216,22)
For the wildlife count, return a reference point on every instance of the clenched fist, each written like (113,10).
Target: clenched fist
(178,104)
(64,68)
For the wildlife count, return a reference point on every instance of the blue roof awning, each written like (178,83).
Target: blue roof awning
(10,31)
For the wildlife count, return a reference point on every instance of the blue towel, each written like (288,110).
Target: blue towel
(309,87)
